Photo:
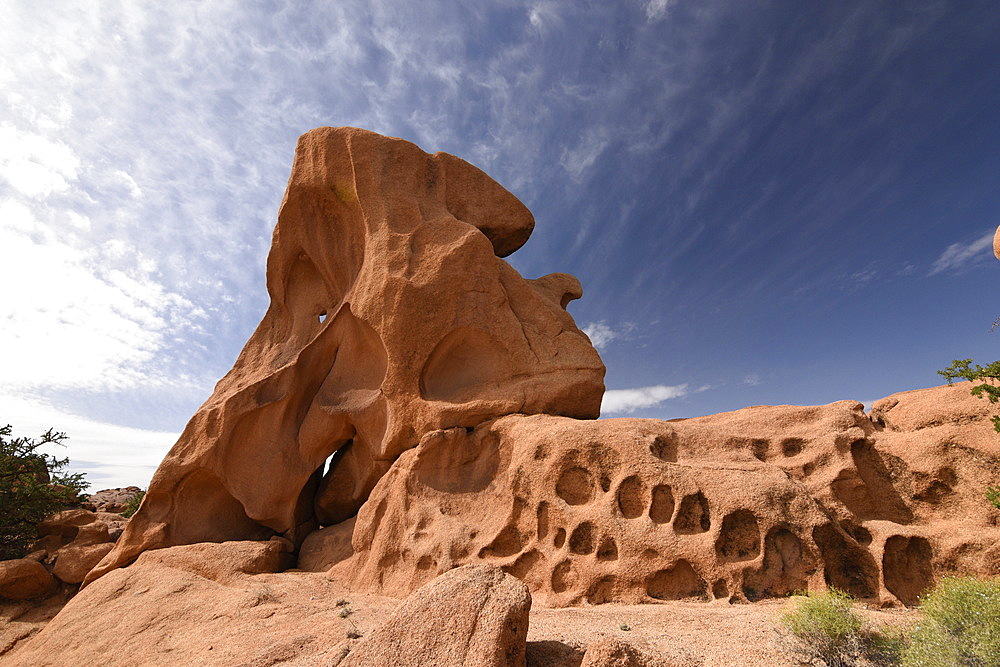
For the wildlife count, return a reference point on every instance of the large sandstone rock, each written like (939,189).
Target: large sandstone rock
(159,612)
(755,503)
(392,315)
(23,579)
(474,616)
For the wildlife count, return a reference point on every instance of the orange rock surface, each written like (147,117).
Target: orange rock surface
(761,502)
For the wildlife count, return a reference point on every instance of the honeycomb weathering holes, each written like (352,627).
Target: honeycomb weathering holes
(676,583)
(906,567)
(661,506)
(739,538)
(575,486)
(693,515)
(632,497)
(581,540)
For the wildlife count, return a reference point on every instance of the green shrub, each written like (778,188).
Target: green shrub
(826,627)
(963,369)
(993,496)
(961,625)
(33,486)
(133,505)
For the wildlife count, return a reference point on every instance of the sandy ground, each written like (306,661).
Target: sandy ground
(298,623)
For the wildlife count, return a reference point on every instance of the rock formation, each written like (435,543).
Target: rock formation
(111,500)
(392,314)
(448,396)
(755,503)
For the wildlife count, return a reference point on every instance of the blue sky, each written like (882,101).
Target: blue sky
(766,202)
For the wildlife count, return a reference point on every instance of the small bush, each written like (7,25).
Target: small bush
(993,496)
(132,506)
(33,486)
(827,628)
(961,625)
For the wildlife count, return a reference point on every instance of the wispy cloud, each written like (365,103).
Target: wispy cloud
(112,456)
(601,334)
(626,401)
(657,9)
(961,256)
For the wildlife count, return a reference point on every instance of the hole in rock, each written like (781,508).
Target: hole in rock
(507,543)
(792,446)
(632,497)
(760,447)
(543,519)
(785,570)
(664,447)
(860,534)
(559,539)
(563,577)
(608,550)
(739,538)
(720,589)
(581,540)
(541,452)
(649,554)
(322,316)
(906,567)
(867,490)
(575,486)
(693,515)
(846,565)
(522,567)
(605,483)
(661,507)
(676,583)
(602,590)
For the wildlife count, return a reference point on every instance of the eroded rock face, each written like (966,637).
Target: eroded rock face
(392,315)
(761,502)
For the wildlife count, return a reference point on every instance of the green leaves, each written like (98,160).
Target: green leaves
(33,485)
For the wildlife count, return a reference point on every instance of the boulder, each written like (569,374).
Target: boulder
(222,561)
(473,616)
(73,562)
(333,373)
(324,548)
(24,579)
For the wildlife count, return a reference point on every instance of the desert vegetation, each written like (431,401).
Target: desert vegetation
(33,485)
(958,626)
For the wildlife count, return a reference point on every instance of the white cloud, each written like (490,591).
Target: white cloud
(960,256)
(752,380)
(68,323)
(578,159)
(657,9)
(601,334)
(35,165)
(618,401)
(111,456)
